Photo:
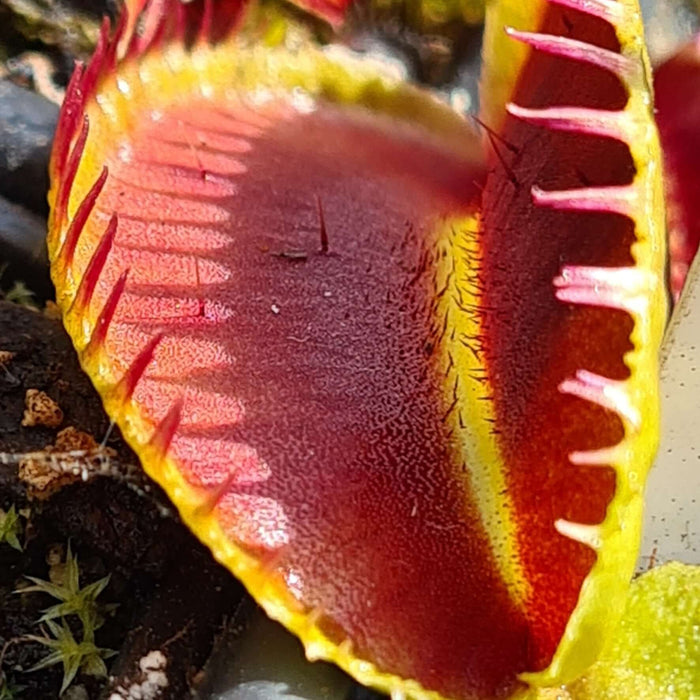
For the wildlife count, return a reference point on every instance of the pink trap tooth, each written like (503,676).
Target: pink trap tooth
(605,457)
(613,200)
(578,51)
(597,122)
(624,288)
(607,393)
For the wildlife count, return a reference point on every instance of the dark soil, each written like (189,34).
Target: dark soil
(171,595)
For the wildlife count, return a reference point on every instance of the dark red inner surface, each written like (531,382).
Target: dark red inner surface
(677,101)
(533,341)
(331,358)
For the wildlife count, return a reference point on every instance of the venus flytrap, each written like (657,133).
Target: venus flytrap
(422,444)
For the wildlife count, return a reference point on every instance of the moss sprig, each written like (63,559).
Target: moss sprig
(10,528)
(76,655)
(74,600)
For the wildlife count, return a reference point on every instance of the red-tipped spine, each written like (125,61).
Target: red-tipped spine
(68,120)
(112,49)
(179,23)
(93,271)
(124,390)
(210,496)
(159,36)
(165,431)
(70,171)
(205,28)
(99,332)
(154,15)
(78,223)
(227,19)
(130,37)
(96,67)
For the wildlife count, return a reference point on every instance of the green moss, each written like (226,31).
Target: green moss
(74,600)
(75,655)
(10,528)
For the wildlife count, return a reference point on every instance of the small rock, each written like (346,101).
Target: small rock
(71,439)
(75,455)
(257,659)
(151,682)
(40,479)
(27,125)
(41,409)
(22,233)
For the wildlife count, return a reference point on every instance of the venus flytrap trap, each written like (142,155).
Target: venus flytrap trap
(422,442)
